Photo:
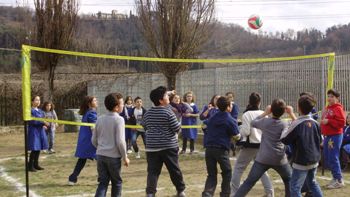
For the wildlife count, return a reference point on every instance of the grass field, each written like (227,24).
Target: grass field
(53,180)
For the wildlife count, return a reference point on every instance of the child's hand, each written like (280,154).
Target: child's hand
(324,121)
(268,110)
(45,127)
(126,162)
(289,110)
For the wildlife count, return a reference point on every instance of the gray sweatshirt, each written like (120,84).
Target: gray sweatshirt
(109,136)
(272,150)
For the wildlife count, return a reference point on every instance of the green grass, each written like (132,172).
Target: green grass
(53,180)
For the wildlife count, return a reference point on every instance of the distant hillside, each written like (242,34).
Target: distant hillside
(123,37)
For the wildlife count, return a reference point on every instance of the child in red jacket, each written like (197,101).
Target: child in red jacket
(332,123)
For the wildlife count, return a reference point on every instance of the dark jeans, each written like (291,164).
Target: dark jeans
(257,170)
(108,169)
(213,156)
(155,162)
(184,144)
(134,137)
(77,169)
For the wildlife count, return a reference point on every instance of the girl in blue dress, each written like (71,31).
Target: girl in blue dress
(189,119)
(126,114)
(85,150)
(37,139)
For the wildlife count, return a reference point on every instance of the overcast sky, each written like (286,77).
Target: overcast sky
(277,15)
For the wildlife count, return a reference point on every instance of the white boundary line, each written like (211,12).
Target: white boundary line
(19,186)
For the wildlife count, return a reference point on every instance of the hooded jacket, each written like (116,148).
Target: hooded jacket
(336,120)
(220,129)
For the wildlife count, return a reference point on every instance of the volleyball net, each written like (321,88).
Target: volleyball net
(280,77)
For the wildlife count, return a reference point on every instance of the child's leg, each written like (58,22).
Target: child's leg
(257,170)
(184,145)
(134,141)
(334,144)
(104,176)
(143,135)
(77,169)
(297,181)
(285,172)
(326,152)
(226,173)
(171,161)
(36,160)
(52,138)
(154,167)
(211,162)
(191,145)
(312,183)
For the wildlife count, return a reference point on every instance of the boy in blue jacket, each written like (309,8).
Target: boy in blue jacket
(304,134)
(220,129)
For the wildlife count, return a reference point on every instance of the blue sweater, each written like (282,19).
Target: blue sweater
(221,128)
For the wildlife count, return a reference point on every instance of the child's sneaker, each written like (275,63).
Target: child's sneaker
(138,155)
(181,194)
(335,184)
(71,183)
(51,151)
(129,151)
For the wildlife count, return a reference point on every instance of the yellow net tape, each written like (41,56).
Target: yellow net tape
(26,87)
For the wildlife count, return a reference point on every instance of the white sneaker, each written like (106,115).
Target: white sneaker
(138,155)
(335,184)
(51,151)
(70,183)
(45,151)
(129,151)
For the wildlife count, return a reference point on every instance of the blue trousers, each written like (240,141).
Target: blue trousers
(331,152)
(307,176)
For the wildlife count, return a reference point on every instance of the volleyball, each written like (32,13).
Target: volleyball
(255,22)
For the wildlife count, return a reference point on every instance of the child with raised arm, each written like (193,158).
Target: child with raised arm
(304,135)
(271,153)
(221,128)
(109,140)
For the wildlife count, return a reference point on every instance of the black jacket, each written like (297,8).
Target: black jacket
(305,138)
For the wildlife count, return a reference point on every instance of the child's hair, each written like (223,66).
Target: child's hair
(346,122)
(254,102)
(306,103)
(85,104)
(128,98)
(112,100)
(223,103)
(278,107)
(212,100)
(306,93)
(233,94)
(185,96)
(157,94)
(172,96)
(47,103)
(137,98)
(333,92)
(33,97)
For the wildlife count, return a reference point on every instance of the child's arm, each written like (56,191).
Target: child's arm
(338,121)
(94,135)
(174,124)
(204,114)
(120,140)
(290,112)
(256,123)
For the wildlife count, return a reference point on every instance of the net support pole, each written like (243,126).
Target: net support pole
(26,156)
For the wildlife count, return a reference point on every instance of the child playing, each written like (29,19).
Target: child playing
(109,140)
(161,127)
(37,139)
(220,129)
(332,123)
(49,112)
(189,119)
(271,153)
(135,119)
(85,150)
(304,135)
(250,142)
(178,107)
(126,113)
(207,112)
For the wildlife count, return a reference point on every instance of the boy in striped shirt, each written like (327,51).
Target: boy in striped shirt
(161,127)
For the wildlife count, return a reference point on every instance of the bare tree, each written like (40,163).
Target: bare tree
(55,25)
(175,29)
